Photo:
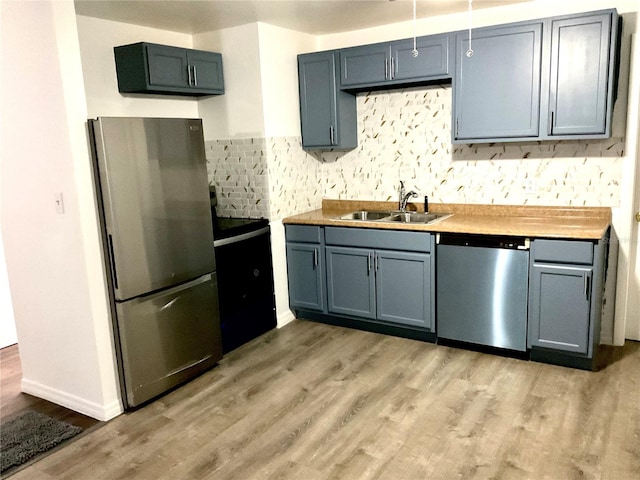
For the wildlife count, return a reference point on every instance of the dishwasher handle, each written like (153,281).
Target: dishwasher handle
(486,241)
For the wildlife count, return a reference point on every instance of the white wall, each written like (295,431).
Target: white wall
(279,48)
(97,39)
(239,112)
(53,260)
(8,334)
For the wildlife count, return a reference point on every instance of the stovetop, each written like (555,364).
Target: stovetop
(225,227)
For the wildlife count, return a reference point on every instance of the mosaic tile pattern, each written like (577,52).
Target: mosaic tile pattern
(238,169)
(405,135)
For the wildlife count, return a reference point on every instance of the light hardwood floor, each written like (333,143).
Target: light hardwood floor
(312,401)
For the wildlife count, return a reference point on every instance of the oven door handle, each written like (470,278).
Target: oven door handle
(240,238)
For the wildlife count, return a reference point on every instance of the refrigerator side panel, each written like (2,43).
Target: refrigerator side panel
(156,202)
(168,338)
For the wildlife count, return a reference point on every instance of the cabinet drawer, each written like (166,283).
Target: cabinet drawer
(303,233)
(386,239)
(563,251)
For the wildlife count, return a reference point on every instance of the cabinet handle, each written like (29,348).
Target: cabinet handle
(195,76)
(376,262)
(551,122)
(386,69)
(457,127)
(315,257)
(331,136)
(587,285)
(368,264)
(189,73)
(392,70)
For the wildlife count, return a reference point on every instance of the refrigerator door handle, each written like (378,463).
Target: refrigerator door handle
(112,261)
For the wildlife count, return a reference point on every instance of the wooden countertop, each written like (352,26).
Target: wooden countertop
(525,221)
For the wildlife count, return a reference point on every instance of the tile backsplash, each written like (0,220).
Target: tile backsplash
(405,134)
(238,169)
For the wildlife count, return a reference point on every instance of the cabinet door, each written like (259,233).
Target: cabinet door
(497,90)
(432,59)
(318,117)
(559,307)
(206,70)
(403,287)
(305,269)
(167,66)
(364,65)
(351,282)
(579,75)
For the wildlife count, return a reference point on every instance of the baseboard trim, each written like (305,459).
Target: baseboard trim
(80,405)
(285,317)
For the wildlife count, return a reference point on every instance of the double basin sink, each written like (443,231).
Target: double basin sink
(394,216)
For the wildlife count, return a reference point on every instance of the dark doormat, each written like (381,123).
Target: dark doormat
(31,434)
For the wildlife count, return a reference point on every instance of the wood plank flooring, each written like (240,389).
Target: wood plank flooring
(312,401)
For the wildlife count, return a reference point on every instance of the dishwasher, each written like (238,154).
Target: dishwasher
(481,289)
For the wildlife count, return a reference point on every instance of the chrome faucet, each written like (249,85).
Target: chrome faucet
(403,197)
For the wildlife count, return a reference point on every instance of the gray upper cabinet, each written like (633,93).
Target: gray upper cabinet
(432,59)
(387,64)
(580,86)
(497,89)
(546,80)
(364,65)
(160,69)
(327,115)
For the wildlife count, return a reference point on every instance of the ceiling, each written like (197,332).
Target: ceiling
(315,17)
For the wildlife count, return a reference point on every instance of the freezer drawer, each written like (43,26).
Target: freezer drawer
(168,337)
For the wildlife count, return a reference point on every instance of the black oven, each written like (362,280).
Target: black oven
(245,279)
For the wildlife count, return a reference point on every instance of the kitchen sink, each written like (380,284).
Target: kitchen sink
(370,215)
(415,217)
(394,216)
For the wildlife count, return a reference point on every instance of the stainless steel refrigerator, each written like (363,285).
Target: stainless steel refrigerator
(153,196)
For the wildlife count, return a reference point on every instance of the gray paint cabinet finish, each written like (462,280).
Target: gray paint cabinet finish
(566,280)
(327,115)
(305,267)
(579,75)
(390,63)
(161,69)
(385,285)
(559,307)
(497,90)
(383,275)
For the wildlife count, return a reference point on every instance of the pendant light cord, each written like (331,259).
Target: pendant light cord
(469,50)
(414,52)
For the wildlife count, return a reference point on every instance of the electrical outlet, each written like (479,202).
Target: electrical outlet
(530,186)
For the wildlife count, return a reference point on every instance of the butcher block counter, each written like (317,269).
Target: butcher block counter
(517,220)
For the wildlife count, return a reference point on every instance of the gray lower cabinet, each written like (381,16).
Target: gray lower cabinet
(560,305)
(383,285)
(497,89)
(327,115)
(305,267)
(378,283)
(566,280)
(161,69)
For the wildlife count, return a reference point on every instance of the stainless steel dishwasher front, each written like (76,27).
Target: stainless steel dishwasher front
(482,284)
